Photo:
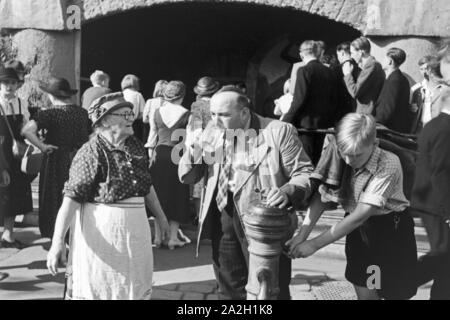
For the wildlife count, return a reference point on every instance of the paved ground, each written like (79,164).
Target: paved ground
(178,275)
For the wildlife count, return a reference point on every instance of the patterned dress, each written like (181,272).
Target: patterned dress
(67,128)
(110,254)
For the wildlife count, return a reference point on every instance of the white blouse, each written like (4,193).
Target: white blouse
(13,107)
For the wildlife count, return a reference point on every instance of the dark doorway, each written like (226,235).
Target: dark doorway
(187,41)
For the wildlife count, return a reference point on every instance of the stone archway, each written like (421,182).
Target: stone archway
(350,12)
(233,41)
(46,41)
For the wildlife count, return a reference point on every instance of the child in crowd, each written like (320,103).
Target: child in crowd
(283,103)
(380,245)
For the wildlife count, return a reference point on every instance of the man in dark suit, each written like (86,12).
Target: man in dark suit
(345,101)
(314,99)
(392,107)
(419,93)
(368,86)
(431,198)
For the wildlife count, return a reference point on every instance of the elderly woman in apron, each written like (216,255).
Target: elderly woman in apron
(15,199)
(110,255)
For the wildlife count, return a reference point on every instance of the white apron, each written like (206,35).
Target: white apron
(110,256)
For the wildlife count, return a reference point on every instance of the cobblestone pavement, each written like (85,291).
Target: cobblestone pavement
(178,275)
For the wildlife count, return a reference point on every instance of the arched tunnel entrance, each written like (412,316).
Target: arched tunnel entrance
(185,41)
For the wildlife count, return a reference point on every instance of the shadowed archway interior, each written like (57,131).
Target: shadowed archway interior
(189,40)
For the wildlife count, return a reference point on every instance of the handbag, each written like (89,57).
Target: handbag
(18,147)
(32,161)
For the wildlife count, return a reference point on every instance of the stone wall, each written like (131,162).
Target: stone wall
(351,12)
(42,36)
(49,53)
(371,17)
(415,48)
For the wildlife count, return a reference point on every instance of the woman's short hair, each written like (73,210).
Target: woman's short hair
(159,88)
(98,77)
(130,81)
(174,90)
(361,43)
(354,131)
(397,55)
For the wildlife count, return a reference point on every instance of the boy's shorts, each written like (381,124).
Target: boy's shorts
(388,243)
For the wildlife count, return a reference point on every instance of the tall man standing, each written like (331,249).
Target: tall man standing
(431,197)
(314,99)
(273,160)
(368,85)
(392,108)
(419,93)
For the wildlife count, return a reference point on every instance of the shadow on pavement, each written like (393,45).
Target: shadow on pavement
(35,265)
(184,257)
(30,285)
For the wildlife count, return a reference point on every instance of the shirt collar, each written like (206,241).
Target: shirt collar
(109,146)
(255,124)
(308,60)
(372,163)
(365,61)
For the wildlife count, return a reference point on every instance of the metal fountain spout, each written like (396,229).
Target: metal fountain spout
(266,227)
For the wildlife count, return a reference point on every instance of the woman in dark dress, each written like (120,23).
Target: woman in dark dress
(15,199)
(67,127)
(172,194)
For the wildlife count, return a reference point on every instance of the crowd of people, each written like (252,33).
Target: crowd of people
(109,163)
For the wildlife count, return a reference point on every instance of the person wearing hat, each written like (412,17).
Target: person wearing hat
(168,118)
(110,255)
(15,199)
(67,128)
(18,66)
(205,88)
